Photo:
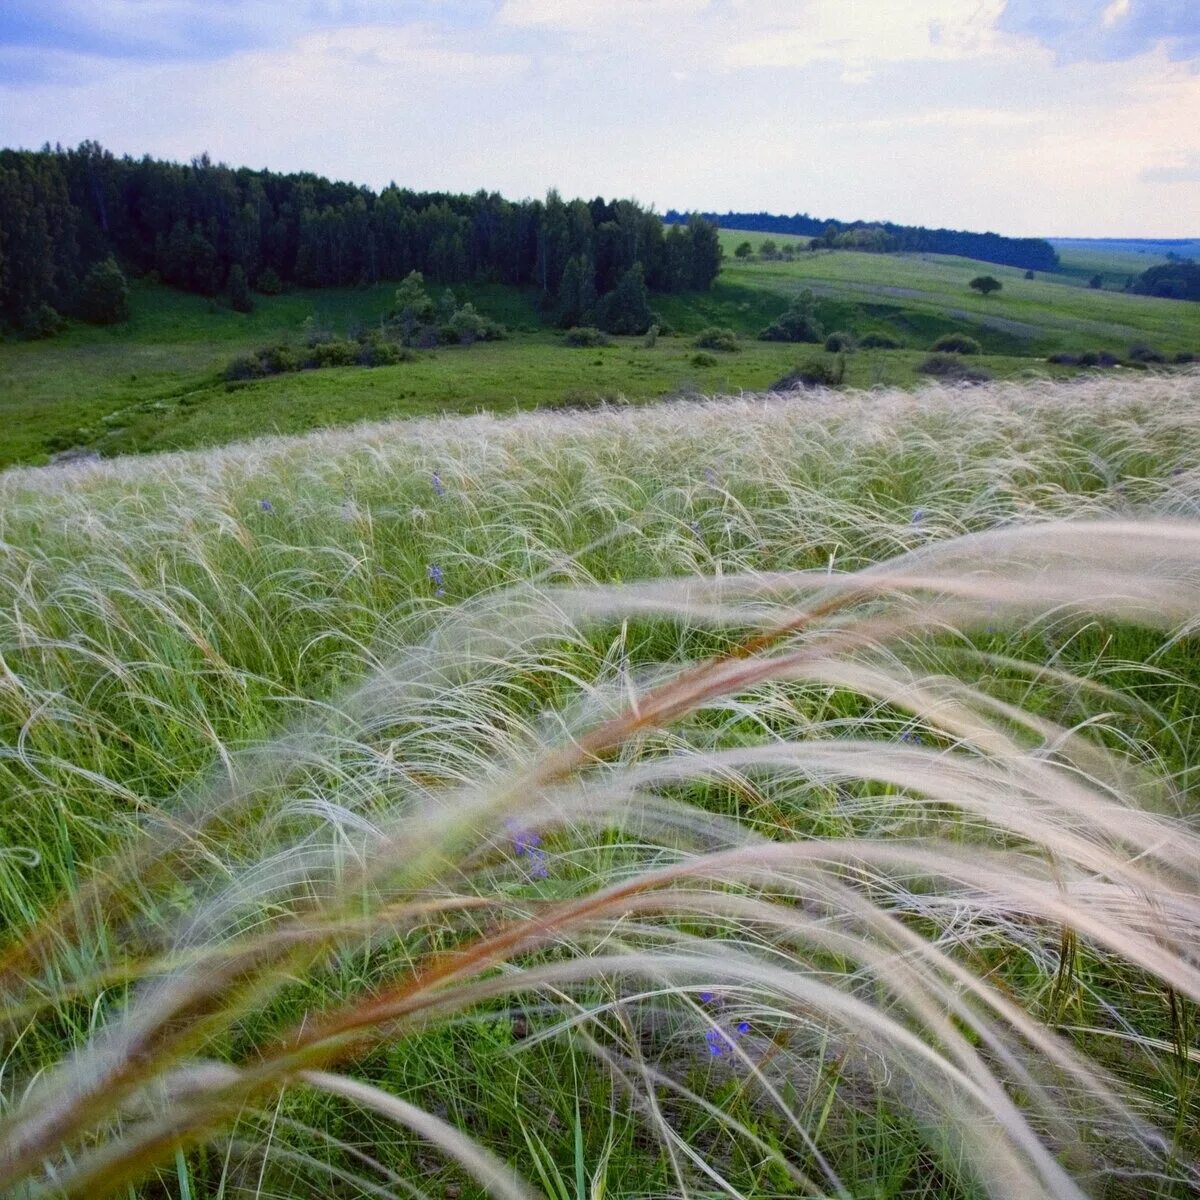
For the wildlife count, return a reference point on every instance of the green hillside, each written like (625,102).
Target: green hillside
(158,381)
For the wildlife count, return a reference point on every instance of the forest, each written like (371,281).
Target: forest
(203,225)
(1031,253)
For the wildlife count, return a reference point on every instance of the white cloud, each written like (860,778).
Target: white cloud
(916,110)
(1116,12)
(792,35)
(612,17)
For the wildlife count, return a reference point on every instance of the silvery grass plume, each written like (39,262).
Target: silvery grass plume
(804,814)
(850,942)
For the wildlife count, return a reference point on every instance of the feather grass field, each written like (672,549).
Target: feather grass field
(759,797)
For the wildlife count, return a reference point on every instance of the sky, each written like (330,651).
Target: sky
(1027,117)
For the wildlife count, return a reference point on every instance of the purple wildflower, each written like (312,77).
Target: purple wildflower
(438,488)
(913,739)
(707,997)
(718,1044)
(710,476)
(694,526)
(918,516)
(266,506)
(527,845)
(743,1027)
(436,578)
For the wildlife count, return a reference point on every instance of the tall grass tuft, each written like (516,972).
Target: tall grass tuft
(765,798)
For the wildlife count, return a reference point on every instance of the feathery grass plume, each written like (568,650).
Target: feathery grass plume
(926,888)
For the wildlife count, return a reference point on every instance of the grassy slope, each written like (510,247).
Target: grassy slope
(156,383)
(157,622)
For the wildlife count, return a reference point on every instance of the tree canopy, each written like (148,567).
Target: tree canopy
(1035,253)
(985,284)
(62,211)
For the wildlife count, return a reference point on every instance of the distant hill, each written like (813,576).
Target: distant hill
(1032,253)
(1155,247)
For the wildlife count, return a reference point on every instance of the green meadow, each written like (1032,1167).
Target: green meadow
(748,797)
(157,382)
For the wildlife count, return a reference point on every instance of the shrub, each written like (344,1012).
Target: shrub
(1063,359)
(1096,282)
(278,359)
(744,250)
(839,342)
(1185,356)
(985,284)
(1106,358)
(956,343)
(378,351)
(651,338)
(335,354)
(879,341)
(245,366)
(713,338)
(467,326)
(951,368)
(1030,275)
(586,337)
(798,323)
(1089,358)
(268,282)
(813,372)
(238,289)
(1141,353)
(104,294)
(626,309)
(42,322)
(703,359)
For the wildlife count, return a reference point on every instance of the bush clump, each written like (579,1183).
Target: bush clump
(797,324)
(713,338)
(703,359)
(586,337)
(268,282)
(840,342)
(104,294)
(466,326)
(879,341)
(1185,356)
(956,343)
(43,322)
(337,352)
(1141,353)
(813,372)
(951,368)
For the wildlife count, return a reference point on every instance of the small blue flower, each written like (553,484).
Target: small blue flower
(718,1044)
(707,997)
(436,578)
(743,1027)
(527,845)
(710,476)
(438,489)
(913,739)
(539,864)
(266,506)
(918,516)
(694,526)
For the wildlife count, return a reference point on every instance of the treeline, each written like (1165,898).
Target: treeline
(63,211)
(1176,280)
(1032,253)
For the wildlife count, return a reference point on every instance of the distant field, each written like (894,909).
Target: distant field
(1040,314)
(158,382)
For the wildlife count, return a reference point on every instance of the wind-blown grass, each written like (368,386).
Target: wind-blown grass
(783,797)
